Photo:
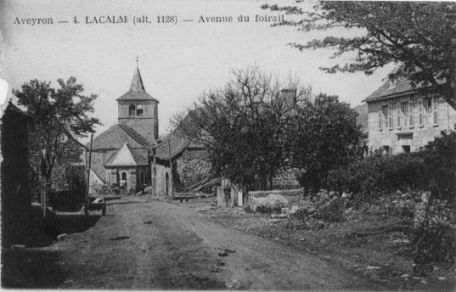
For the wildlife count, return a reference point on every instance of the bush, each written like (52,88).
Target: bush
(432,169)
(332,212)
(376,175)
(434,238)
(440,158)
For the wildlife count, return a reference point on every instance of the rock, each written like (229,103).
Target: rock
(442,278)
(332,193)
(272,201)
(346,195)
(290,211)
(294,209)
(405,275)
(233,284)
(373,267)
(61,237)
(279,216)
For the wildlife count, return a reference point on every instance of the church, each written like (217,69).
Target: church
(120,155)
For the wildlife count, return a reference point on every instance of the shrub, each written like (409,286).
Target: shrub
(332,212)
(376,175)
(434,239)
(433,169)
(440,157)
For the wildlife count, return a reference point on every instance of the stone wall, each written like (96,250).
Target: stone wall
(401,136)
(285,178)
(193,167)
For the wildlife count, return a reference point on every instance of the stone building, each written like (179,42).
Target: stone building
(120,154)
(177,164)
(400,119)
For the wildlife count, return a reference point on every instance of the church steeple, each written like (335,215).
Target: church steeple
(139,110)
(136,83)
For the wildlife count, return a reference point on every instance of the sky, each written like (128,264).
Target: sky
(178,62)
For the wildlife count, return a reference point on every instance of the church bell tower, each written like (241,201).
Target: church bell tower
(139,110)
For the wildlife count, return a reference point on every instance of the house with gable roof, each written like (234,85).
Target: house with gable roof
(402,119)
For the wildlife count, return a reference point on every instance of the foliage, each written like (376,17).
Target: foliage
(15,176)
(377,175)
(56,113)
(440,159)
(323,135)
(241,125)
(434,239)
(433,169)
(421,36)
(333,211)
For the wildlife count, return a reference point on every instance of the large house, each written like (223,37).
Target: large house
(401,119)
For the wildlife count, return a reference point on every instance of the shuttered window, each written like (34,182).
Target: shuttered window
(420,113)
(412,113)
(435,110)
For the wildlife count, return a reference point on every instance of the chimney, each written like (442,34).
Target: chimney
(289,97)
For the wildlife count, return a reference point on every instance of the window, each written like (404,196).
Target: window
(380,120)
(420,112)
(390,116)
(435,110)
(406,148)
(412,113)
(428,104)
(139,110)
(398,115)
(405,113)
(131,110)
(385,115)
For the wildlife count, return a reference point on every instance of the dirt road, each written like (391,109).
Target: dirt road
(151,245)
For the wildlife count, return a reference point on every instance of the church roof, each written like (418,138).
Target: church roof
(127,156)
(137,90)
(116,136)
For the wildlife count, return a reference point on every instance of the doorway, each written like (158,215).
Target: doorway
(167,185)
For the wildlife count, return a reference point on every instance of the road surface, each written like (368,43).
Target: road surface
(158,245)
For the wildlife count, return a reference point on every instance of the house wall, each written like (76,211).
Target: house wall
(189,168)
(399,136)
(130,174)
(161,171)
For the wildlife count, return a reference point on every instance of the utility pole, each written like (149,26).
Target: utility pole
(153,173)
(86,205)
(43,177)
(170,170)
